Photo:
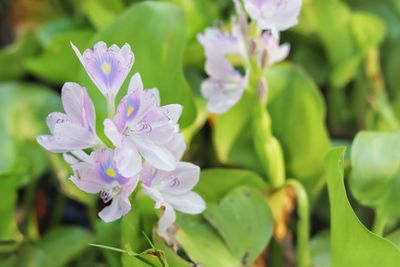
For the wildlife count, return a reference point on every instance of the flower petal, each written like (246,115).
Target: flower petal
(112,132)
(85,178)
(179,181)
(167,219)
(190,203)
(136,83)
(107,67)
(177,146)
(157,156)
(173,112)
(127,158)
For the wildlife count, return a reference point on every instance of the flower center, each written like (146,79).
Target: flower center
(106,68)
(111,172)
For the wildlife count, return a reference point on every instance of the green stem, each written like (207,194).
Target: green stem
(268,147)
(110,107)
(379,99)
(303,225)
(380,222)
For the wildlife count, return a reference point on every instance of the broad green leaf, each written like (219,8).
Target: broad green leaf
(110,234)
(229,125)
(57,248)
(12,57)
(298,120)
(58,64)
(202,244)
(216,183)
(321,249)
(375,179)
(23,111)
(102,13)
(244,220)
(352,244)
(156,32)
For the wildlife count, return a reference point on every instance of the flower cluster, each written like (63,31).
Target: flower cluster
(148,145)
(249,45)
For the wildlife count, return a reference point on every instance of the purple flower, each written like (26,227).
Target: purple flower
(101,175)
(270,50)
(76,128)
(107,67)
(141,128)
(225,84)
(274,14)
(173,191)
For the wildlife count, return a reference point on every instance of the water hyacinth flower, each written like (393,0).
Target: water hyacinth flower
(247,47)
(76,128)
(271,52)
(225,84)
(172,191)
(101,175)
(274,14)
(107,67)
(142,128)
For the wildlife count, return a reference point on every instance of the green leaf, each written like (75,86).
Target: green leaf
(158,45)
(14,56)
(298,120)
(58,64)
(321,249)
(375,179)
(23,111)
(57,248)
(229,125)
(202,244)
(216,183)
(8,223)
(102,13)
(244,220)
(352,244)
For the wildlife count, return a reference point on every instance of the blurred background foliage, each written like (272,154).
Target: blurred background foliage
(342,76)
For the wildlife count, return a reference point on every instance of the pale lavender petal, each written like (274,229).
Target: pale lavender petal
(157,156)
(222,95)
(173,112)
(127,158)
(112,132)
(179,181)
(77,156)
(107,67)
(136,83)
(277,14)
(190,203)
(85,178)
(114,211)
(78,105)
(67,137)
(177,146)
(275,52)
(156,127)
(167,219)
(56,118)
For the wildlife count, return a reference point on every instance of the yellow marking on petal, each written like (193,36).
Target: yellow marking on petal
(130,110)
(110,172)
(153,171)
(106,68)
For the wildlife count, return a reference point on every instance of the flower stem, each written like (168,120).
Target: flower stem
(303,224)
(380,222)
(268,148)
(110,107)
